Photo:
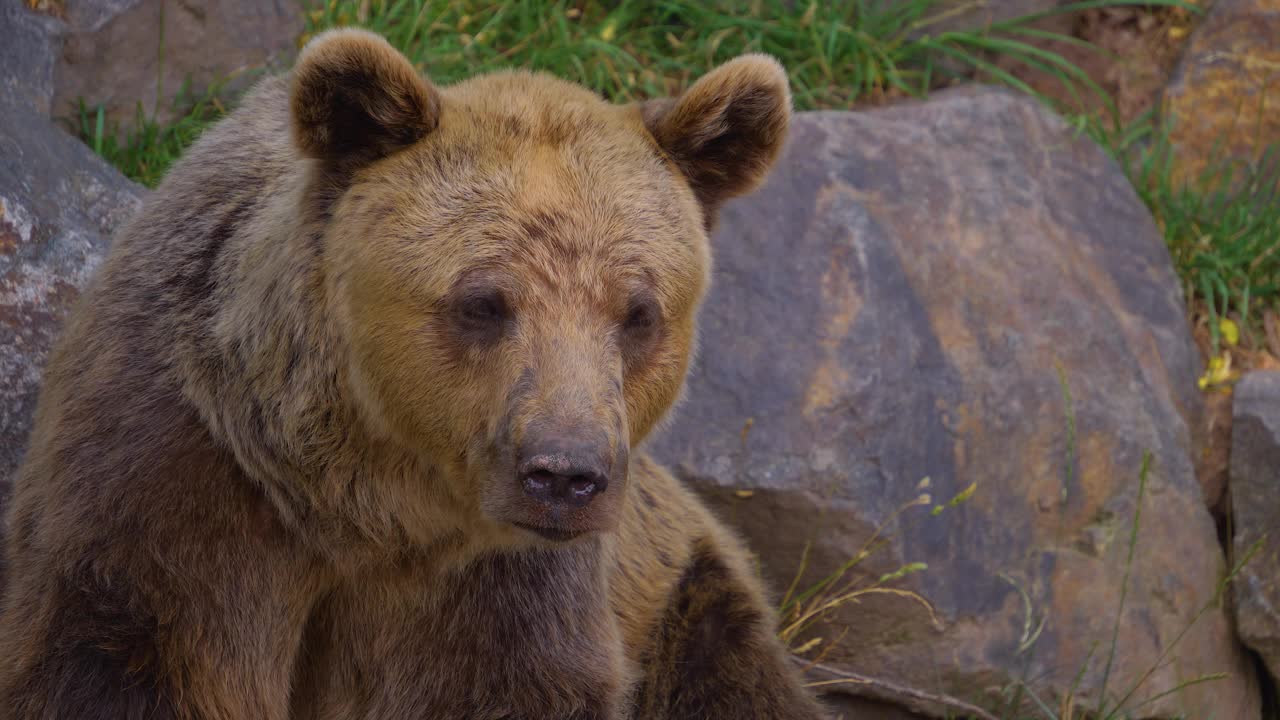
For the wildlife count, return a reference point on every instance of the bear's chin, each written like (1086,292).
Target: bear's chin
(542,527)
(528,521)
(555,535)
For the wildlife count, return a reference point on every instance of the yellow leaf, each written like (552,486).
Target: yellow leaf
(1219,372)
(609,30)
(964,494)
(1230,331)
(744,493)
(1177,32)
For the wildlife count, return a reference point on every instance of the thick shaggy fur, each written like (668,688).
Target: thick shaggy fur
(272,471)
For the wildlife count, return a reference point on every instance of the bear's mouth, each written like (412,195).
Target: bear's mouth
(554,534)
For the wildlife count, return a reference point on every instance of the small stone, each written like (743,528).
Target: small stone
(1255,498)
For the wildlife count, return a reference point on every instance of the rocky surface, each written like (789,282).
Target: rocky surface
(914,294)
(29,42)
(1222,101)
(118,53)
(59,204)
(1255,499)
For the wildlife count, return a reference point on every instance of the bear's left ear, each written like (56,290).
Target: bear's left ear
(356,99)
(727,130)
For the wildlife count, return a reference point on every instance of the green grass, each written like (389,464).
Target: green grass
(1225,240)
(146,151)
(838,55)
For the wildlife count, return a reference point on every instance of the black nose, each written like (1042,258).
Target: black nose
(563,478)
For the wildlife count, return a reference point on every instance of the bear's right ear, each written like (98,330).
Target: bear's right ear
(355,99)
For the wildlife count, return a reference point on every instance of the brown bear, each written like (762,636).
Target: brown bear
(347,425)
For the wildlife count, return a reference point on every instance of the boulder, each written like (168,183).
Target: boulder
(29,42)
(1222,103)
(59,204)
(964,292)
(119,53)
(1255,504)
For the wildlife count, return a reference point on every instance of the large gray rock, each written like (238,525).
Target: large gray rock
(59,204)
(1255,501)
(29,42)
(897,303)
(119,53)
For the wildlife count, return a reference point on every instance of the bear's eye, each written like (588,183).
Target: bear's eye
(483,311)
(641,318)
(640,330)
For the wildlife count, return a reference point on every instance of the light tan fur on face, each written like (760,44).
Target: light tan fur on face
(539,189)
(272,476)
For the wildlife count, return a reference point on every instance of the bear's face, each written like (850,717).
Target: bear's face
(516,265)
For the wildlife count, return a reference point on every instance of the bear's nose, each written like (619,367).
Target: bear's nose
(563,477)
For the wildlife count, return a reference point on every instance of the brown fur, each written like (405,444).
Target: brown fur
(272,470)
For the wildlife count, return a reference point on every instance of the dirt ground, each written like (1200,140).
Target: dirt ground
(1132,55)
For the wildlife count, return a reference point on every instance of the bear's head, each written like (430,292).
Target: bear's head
(516,264)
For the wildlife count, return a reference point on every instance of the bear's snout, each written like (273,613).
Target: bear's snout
(563,476)
(563,481)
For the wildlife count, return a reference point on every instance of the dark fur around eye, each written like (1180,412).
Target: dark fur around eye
(641,325)
(482,314)
(642,316)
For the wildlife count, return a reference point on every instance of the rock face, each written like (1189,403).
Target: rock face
(914,294)
(28,46)
(59,203)
(1222,99)
(119,53)
(1255,498)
